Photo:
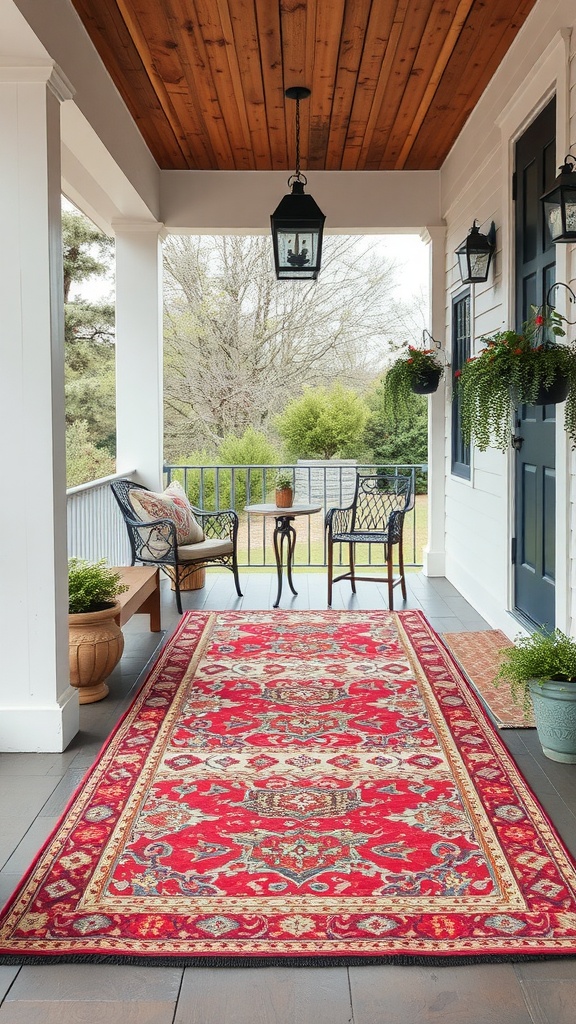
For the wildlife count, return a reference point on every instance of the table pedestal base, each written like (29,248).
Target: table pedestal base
(284,532)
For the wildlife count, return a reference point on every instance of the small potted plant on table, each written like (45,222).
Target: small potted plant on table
(284,489)
(542,668)
(95,640)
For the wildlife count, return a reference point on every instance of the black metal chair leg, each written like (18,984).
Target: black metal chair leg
(236,577)
(390,568)
(177,589)
(330,567)
(351,563)
(401,568)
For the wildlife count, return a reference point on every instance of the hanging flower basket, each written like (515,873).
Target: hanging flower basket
(427,382)
(419,372)
(555,392)
(512,369)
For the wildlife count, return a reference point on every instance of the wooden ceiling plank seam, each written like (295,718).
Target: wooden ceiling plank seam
(240,69)
(131,80)
(393,81)
(376,39)
(383,81)
(487,37)
(201,84)
(141,42)
(244,28)
(184,95)
(328,31)
(430,45)
(269,34)
(401,81)
(298,54)
(354,26)
(218,45)
(201,90)
(446,52)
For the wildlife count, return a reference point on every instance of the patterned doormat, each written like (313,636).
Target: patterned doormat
(306,788)
(478,655)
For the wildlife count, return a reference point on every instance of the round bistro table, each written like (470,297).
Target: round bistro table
(283,532)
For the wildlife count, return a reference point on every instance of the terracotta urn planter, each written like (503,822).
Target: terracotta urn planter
(95,647)
(284,497)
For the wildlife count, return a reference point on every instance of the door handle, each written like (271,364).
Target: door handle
(517,442)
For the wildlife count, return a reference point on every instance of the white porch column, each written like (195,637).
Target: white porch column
(435,550)
(139,371)
(38,707)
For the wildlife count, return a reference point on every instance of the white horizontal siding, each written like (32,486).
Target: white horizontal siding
(474,187)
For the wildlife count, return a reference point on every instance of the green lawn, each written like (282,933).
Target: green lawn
(310,541)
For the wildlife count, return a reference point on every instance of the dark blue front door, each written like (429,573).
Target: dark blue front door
(535,458)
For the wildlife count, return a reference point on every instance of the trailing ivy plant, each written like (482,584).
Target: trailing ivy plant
(509,370)
(405,373)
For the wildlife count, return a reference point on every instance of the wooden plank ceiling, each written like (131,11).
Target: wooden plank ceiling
(393,81)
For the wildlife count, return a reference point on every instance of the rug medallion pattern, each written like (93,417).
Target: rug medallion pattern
(316,784)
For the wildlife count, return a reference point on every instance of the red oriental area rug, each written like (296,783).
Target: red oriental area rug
(299,788)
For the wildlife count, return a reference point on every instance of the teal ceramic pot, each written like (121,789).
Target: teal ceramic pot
(555,714)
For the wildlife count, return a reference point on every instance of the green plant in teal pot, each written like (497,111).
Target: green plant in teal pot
(541,669)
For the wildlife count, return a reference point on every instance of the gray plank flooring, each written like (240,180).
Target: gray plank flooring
(34,791)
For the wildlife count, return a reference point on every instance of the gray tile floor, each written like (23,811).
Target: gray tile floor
(34,790)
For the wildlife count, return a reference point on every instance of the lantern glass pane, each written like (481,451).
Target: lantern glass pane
(479,265)
(297,250)
(570,207)
(463,266)
(553,215)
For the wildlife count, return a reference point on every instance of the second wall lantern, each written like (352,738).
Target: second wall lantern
(475,254)
(560,204)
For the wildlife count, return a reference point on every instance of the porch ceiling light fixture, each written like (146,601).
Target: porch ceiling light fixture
(297,222)
(475,254)
(560,203)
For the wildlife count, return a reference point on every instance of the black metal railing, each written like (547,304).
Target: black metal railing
(326,484)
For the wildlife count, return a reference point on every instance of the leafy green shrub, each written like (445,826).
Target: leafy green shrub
(323,423)
(84,461)
(213,489)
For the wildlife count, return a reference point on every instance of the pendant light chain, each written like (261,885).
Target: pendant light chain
(298,137)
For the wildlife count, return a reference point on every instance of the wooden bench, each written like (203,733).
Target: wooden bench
(143,594)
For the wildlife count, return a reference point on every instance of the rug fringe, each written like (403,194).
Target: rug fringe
(401,960)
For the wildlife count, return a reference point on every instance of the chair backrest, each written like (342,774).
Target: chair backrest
(121,490)
(377,496)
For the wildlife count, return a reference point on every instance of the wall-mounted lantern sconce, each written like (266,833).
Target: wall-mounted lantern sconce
(475,254)
(297,222)
(560,204)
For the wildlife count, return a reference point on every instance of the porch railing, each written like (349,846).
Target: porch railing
(96,529)
(327,485)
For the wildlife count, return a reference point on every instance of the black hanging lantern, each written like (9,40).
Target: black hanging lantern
(475,255)
(297,222)
(560,204)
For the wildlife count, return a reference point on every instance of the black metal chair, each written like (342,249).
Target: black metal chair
(376,516)
(155,542)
